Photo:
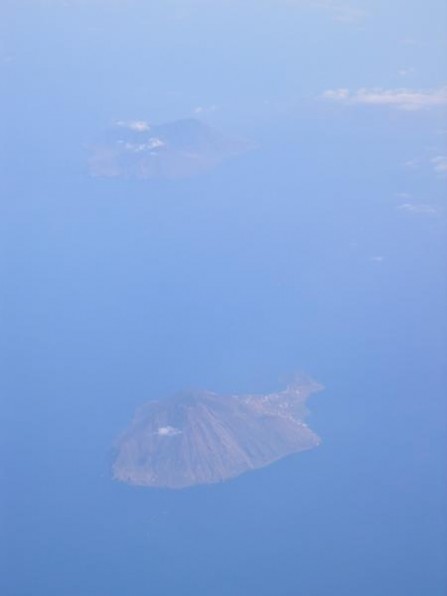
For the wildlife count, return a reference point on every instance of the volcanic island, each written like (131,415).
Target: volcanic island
(200,437)
(178,149)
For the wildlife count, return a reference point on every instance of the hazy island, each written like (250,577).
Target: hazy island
(178,149)
(200,437)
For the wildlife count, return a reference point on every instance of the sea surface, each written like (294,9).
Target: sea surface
(285,260)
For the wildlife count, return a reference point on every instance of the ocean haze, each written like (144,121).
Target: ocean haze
(322,249)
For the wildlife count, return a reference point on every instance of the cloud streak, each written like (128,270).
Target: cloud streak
(135,125)
(440,164)
(419,208)
(401,99)
(343,12)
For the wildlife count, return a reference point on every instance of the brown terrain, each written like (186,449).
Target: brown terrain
(201,437)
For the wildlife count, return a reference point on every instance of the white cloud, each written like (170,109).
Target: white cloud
(402,99)
(136,125)
(440,164)
(412,164)
(153,143)
(340,10)
(168,431)
(200,110)
(348,14)
(405,72)
(420,208)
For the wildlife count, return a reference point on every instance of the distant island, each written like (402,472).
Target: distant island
(178,149)
(201,438)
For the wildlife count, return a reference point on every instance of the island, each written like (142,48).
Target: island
(178,149)
(200,437)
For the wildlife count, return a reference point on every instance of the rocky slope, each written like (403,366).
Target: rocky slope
(201,437)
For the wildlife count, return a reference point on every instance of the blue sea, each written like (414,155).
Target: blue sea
(294,257)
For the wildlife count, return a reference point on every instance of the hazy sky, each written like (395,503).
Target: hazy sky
(125,56)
